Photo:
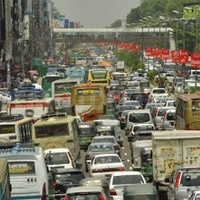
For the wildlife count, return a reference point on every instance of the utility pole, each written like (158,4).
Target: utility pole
(8,41)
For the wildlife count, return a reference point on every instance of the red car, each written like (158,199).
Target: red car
(115,95)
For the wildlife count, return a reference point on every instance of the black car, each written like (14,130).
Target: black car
(65,178)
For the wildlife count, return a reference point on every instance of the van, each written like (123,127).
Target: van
(28,172)
(137,117)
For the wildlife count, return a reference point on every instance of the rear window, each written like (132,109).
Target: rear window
(21,167)
(138,97)
(159,91)
(84,196)
(127,179)
(161,112)
(70,175)
(57,158)
(139,117)
(190,178)
(101,140)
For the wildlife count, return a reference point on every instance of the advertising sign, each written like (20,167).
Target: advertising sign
(195,60)
(175,56)
(61,21)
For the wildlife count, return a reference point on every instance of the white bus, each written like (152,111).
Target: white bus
(61,91)
(28,172)
(15,129)
(31,107)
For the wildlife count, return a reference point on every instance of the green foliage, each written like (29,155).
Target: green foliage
(117,23)
(131,60)
(151,75)
(156,8)
(195,89)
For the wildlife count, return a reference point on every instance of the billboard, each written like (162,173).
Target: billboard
(191,10)
(66,24)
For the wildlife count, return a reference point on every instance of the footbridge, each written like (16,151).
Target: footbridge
(150,36)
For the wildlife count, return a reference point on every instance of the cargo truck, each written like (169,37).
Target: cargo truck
(171,149)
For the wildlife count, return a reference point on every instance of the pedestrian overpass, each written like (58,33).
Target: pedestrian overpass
(150,36)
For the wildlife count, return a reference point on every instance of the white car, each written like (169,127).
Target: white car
(105,165)
(157,92)
(120,179)
(59,158)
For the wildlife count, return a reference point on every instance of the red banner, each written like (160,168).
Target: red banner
(195,60)
(158,52)
(165,54)
(183,56)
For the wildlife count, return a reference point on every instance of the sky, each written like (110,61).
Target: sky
(95,13)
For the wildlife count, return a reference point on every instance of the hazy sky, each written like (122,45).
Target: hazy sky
(95,13)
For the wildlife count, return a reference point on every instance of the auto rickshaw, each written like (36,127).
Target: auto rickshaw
(86,133)
(111,107)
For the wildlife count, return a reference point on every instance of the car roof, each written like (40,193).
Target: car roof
(106,154)
(104,136)
(126,173)
(84,189)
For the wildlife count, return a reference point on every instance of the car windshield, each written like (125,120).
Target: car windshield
(190,178)
(127,179)
(143,128)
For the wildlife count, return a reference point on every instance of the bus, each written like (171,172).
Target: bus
(31,107)
(5,186)
(99,76)
(61,91)
(76,72)
(28,172)
(47,81)
(89,101)
(15,129)
(57,131)
(188,112)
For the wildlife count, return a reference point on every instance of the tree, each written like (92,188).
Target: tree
(117,23)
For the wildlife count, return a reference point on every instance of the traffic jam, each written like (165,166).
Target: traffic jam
(96,131)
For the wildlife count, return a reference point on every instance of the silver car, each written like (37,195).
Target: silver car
(182,181)
(158,116)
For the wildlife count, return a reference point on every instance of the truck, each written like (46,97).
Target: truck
(171,149)
(120,66)
(141,153)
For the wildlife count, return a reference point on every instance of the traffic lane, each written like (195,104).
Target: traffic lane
(125,156)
